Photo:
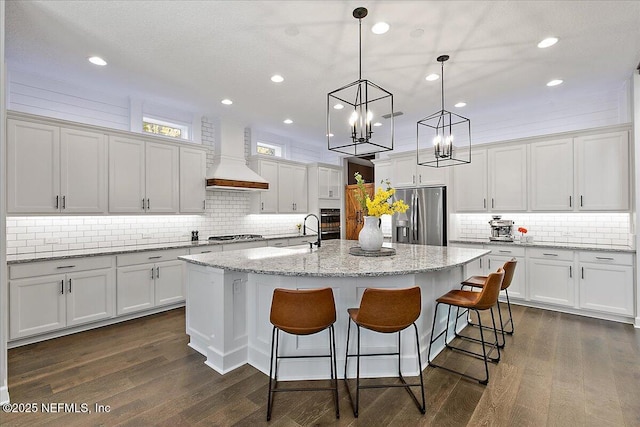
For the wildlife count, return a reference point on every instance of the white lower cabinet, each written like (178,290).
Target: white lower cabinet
(551,277)
(498,257)
(44,302)
(149,279)
(606,282)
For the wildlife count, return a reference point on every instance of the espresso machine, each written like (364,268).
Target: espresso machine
(501,229)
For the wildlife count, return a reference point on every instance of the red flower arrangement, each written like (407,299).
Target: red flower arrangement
(522,230)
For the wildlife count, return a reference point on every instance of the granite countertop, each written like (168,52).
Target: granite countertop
(115,250)
(332,259)
(555,245)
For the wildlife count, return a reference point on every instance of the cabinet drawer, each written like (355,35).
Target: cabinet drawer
(43,268)
(606,257)
(545,253)
(506,250)
(150,256)
(302,240)
(278,242)
(205,249)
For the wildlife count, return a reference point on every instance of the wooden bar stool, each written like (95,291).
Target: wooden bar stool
(476,301)
(302,312)
(386,311)
(509,268)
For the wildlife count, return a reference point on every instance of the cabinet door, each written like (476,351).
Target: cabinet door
(517,289)
(470,183)
(135,288)
(508,178)
(431,176)
(551,281)
(169,282)
(33,168)
(193,169)
(335,183)
(162,178)
(602,171)
(83,171)
(607,288)
(299,181)
(383,171)
(90,296)
(551,169)
(285,188)
(126,175)
(323,182)
(404,172)
(36,305)
(269,199)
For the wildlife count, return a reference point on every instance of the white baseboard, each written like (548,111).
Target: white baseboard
(637,323)
(4,394)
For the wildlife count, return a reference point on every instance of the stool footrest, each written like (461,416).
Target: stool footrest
(481,381)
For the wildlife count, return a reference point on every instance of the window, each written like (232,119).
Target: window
(268,149)
(165,128)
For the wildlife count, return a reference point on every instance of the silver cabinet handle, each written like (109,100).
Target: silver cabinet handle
(62,287)
(580,200)
(65,266)
(570,271)
(582,272)
(142,204)
(570,201)
(413,179)
(604,258)
(148,207)
(420,178)
(157,272)
(330,193)
(262,206)
(155,257)
(64,202)
(69,285)
(480,262)
(492,203)
(205,252)
(152,272)
(204,204)
(489,263)
(57,197)
(484,203)
(504,252)
(549,254)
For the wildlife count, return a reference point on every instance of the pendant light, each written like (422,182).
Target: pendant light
(443,138)
(360,114)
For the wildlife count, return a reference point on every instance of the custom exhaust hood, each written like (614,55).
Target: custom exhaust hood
(229,170)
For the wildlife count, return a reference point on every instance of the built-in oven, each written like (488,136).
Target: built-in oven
(330,224)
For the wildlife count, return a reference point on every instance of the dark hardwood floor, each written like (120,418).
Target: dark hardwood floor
(557,370)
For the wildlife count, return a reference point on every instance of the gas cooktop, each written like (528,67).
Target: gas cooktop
(235,237)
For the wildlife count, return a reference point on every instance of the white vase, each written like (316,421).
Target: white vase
(370,236)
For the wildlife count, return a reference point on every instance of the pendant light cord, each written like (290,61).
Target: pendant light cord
(360,48)
(442,82)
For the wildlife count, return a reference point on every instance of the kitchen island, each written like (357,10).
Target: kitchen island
(228,300)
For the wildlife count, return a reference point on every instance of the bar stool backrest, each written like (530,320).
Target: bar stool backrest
(302,312)
(509,268)
(389,310)
(489,295)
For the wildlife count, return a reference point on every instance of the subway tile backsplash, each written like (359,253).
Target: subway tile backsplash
(588,228)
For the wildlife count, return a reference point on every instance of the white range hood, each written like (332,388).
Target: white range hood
(229,170)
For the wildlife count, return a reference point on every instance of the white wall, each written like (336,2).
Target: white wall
(4,292)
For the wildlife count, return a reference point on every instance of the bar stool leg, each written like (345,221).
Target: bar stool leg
(510,315)
(270,399)
(334,369)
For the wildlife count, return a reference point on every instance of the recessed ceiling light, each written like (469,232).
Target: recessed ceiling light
(277,78)
(227,101)
(380,28)
(554,83)
(432,77)
(338,106)
(98,61)
(460,104)
(549,41)
(376,124)
(288,121)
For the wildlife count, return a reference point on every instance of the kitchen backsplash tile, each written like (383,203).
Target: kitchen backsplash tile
(600,228)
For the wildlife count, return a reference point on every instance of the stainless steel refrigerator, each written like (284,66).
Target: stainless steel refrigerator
(425,222)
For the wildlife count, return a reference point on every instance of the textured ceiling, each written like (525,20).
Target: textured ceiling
(192,54)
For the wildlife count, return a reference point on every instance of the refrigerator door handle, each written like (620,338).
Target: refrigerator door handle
(415,217)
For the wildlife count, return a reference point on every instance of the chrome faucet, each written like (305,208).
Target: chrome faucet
(304,229)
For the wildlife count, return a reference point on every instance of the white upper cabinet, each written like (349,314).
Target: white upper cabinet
(193,170)
(551,172)
(329,182)
(83,172)
(266,201)
(55,170)
(126,175)
(162,178)
(508,178)
(143,176)
(407,173)
(470,183)
(292,188)
(602,171)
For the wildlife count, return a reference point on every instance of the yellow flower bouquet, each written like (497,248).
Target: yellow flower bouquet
(382,203)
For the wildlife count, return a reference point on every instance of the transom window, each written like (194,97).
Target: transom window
(165,128)
(268,149)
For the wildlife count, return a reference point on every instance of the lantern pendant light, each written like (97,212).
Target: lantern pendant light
(436,145)
(355,110)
